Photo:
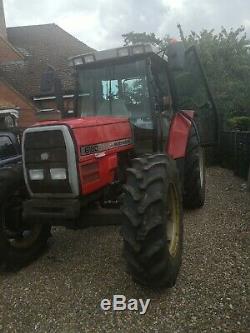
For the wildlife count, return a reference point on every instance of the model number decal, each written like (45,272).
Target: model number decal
(92,149)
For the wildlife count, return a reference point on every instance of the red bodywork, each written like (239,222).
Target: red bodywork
(97,168)
(179,134)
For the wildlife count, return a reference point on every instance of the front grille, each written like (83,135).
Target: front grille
(46,150)
(44,139)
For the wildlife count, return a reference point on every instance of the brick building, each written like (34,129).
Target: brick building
(10,98)
(25,54)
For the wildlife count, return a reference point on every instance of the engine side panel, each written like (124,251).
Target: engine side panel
(179,134)
(102,133)
(97,149)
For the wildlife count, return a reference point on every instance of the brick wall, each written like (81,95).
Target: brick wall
(9,97)
(51,104)
(7,53)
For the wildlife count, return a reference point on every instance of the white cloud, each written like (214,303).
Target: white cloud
(100,23)
(84,26)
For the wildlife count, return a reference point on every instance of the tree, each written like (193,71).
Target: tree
(132,38)
(226,62)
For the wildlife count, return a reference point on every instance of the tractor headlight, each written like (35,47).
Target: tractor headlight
(58,174)
(36,174)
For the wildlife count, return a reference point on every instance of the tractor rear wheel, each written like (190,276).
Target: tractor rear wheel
(248,180)
(20,241)
(194,175)
(153,231)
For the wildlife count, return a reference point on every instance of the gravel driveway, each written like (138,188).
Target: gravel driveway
(62,291)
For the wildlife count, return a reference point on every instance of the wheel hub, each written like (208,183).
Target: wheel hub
(201,167)
(18,235)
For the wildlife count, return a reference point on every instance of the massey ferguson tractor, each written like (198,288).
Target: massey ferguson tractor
(133,143)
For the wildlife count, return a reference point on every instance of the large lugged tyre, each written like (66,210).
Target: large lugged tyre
(20,242)
(248,180)
(194,175)
(153,231)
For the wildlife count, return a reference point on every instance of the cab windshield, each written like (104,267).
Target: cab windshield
(116,90)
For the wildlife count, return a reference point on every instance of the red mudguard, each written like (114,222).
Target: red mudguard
(179,134)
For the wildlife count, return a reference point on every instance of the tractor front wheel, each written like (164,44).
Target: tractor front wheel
(153,231)
(20,241)
(248,180)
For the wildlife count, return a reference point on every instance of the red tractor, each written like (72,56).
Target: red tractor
(130,145)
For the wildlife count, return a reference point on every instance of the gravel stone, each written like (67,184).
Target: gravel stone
(62,291)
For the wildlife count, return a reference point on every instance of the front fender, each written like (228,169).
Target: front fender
(179,134)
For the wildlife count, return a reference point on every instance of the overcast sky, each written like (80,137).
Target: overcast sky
(100,23)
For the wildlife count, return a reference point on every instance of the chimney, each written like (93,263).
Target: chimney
(3,31)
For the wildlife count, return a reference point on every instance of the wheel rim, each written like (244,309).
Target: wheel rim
(173,223)
(19,237)
(201,166)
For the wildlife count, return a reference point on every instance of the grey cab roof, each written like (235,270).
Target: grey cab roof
(115,53)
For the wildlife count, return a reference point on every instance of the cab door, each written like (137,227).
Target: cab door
(193,91)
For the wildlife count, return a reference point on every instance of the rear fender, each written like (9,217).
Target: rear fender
(179,134)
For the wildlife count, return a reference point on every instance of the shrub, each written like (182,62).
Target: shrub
(239,123)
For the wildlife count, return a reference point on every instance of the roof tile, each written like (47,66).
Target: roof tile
(43,45)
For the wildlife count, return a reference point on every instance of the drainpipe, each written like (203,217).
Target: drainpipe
(3,31)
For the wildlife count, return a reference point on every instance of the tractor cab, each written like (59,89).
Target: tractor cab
(10,153)
(8,118)
(148,86)
(120,82)
(130,82)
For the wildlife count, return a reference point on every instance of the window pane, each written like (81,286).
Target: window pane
(7,149)
(116,90)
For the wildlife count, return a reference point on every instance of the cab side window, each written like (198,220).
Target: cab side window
(7,149)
